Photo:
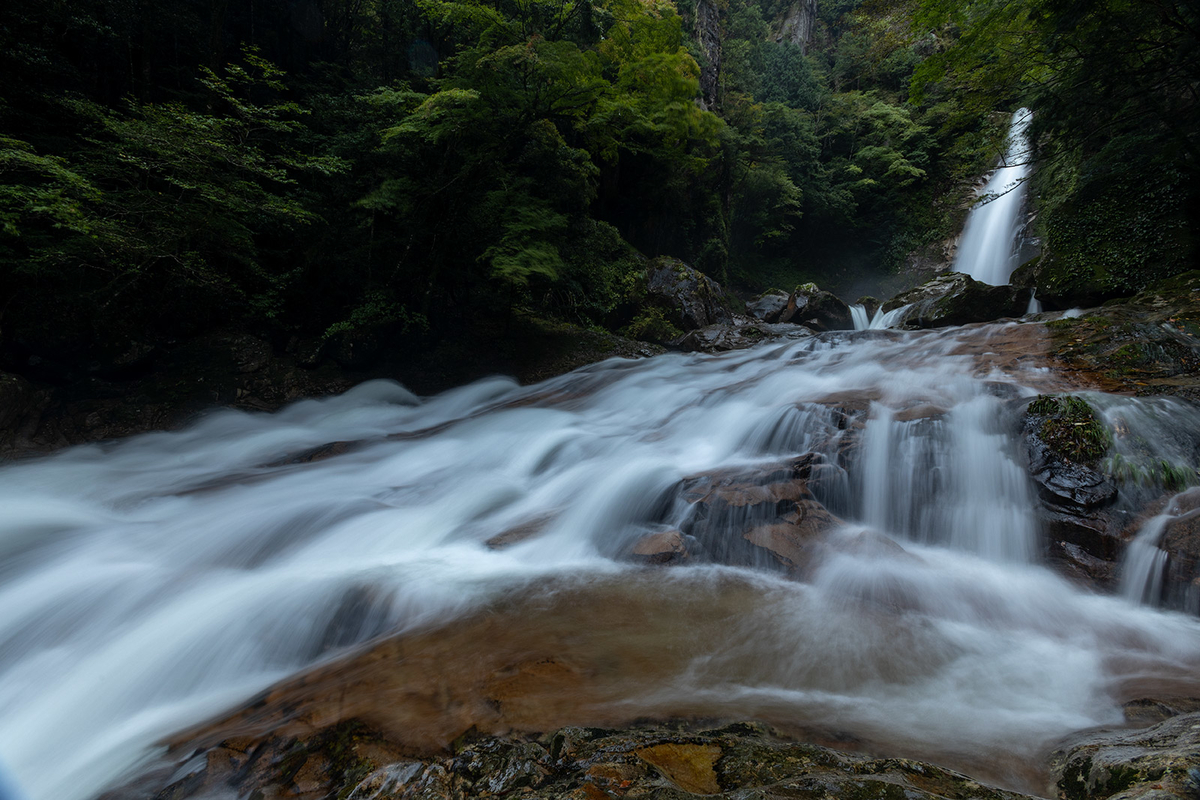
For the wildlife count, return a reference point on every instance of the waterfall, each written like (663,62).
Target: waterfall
(987,251)
(1035,305)
(149,584)
(881,320)
(1142,567)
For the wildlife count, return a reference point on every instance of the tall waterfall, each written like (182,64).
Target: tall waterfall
(987,251)
(152,583)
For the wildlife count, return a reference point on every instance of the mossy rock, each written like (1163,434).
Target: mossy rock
(957,299)
(1071,428)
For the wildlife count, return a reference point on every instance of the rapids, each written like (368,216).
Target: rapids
(150,584)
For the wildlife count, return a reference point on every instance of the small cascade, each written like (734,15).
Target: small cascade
(880,321)
(1035,305)
(987,249)
(1143,564)
(948,478)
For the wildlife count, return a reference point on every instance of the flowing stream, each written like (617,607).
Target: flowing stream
(987,251)
(152,583)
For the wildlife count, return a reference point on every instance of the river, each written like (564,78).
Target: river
(147,585)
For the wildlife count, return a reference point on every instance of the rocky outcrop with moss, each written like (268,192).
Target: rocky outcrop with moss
(668,762)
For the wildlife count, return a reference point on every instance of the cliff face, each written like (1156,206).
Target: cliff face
(708,35)
(797,24)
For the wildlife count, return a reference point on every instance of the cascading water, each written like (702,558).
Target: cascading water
(150,584)
(881,320)
(987,251)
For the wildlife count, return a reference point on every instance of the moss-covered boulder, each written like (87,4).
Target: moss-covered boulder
(687,298)
(1146,345)
(956,299)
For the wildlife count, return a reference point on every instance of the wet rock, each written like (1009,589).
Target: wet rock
(736,336)
(869,304)
(1063,440)
(1181,542)
(817,309)
(666,762)
(1149,344)
(765,515)
(661,547)
(1150,763)
(1058,288)
(690,298)
(519,533)
(956,299)
(768,306)
(497,766)
(688,766)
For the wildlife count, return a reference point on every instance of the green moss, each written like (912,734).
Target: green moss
(651,324)
(1120,778)
(1151,472)
(1073,784)
(1062,324)
(1071,428)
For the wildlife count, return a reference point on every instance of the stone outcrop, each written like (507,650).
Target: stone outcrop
(818,309)
(738,335)
(1181,542)
(690,298)
(1157,763)
(1085,535)
(768,306)
(763,516)
(1147,345)
(956,299)
(798,24)
(668,762)
(708,35)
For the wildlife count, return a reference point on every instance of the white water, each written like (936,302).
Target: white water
(1143,564)
(880,321)
(987,251)
(148,585)
(1035,305)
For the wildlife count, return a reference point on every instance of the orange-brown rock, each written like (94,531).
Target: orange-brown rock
(661,547)
(688,766)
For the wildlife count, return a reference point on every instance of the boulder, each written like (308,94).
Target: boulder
(739,335)
(690,298)
(763,515)
(768,306)
(1064,440)
(661,547)
(1162,761)
(817,309)
(957,299)
(870,304)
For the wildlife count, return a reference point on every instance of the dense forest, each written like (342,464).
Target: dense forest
(325,167)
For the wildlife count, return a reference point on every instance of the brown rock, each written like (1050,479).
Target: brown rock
(688,766)
(662,547)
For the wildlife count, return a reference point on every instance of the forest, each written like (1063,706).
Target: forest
(323,168)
